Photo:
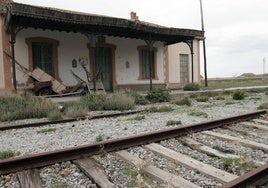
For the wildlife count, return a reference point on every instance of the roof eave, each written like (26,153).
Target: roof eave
(38,17)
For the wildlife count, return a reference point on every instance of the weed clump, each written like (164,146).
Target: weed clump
(184,101)
(240,164)
(138,118)
(173,123)
(24,106)
(46,130)
(158,95)
(76,110)
(220,97)
(119,101)
(54,115)
(239,95)
(198,113)
(202,99)
(230,102)
(191,87)
(99,138)
(116,101)
(7,154)
(139,99)
(263,106)
(137,175)
(93,101)
(154,109)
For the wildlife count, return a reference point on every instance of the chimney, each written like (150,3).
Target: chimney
(133,16)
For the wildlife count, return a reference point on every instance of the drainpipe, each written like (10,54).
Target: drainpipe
(93,66)
(12,42)
(192,60)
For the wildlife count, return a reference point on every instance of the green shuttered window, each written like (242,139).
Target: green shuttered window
(43,56)
(146,61)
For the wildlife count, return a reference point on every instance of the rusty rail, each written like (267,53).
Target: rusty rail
(252,177)
(48,158)
(38,124)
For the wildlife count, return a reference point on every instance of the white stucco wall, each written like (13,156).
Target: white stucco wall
(2,84)
(174,52)
(126,50)
(74,45)
(71,46)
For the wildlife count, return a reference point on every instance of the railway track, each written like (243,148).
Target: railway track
(176,157)
(39,124)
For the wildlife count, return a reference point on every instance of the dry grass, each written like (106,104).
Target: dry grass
(116,101)
(119,101)
(24,106)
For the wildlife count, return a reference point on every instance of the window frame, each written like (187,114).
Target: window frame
(154,76)
(182,58)
(55,44)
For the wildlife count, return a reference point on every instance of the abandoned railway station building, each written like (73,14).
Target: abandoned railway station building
(121,53)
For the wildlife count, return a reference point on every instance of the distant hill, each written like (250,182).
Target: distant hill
(247,75)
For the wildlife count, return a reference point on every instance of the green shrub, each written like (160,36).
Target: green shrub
(46,130)
(172,123)
(211,94)
(263,106)
(220,97)
(158,95)
(241,164)
(193,95)
(93,101)
(207,106)
(230,102)
(119,101)
(138,118)
(184,101)
(23,106)
(139,99)
(198,113)
(154,109)
(99,138)
(54,115)
(227,92)
(115,101)
(239,95)
(6,154)
(191,87)
(76,109)
(202,99)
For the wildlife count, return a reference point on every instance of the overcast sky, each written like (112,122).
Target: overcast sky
(236,30)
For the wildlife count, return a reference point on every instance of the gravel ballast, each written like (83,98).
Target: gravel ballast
(39,139)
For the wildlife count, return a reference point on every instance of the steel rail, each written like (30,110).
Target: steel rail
(249,178)
(48,158)
(38,124)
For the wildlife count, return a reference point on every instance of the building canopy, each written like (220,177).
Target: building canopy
(24,16)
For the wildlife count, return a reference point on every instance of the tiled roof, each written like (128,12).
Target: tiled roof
(66,20)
